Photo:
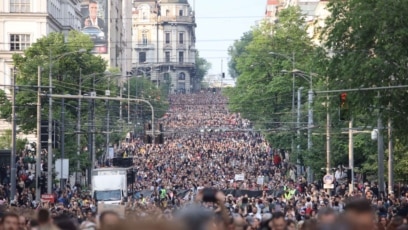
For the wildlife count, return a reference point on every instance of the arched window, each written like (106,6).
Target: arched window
(182,76)
(144,12)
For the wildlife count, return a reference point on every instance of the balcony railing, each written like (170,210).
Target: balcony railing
(188,19)
(144,46)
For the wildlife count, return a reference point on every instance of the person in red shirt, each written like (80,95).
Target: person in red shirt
(277,160)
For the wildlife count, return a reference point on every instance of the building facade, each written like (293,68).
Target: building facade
(22,22)
(315,12)
(108,22)
(164,43)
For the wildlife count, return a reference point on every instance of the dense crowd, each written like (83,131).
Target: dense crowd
(205,147)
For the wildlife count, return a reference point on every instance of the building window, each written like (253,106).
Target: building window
(181,38)
(167,37)
(166,76)
(142,57)
(19,6)
(19,41)
(144,38)
(180,12)
(182,76)
(167,56)
(181,57)
(144,12)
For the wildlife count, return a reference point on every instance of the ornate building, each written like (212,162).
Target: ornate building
(164,43)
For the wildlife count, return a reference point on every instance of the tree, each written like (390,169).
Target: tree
(66,63)
(369,49)
(236,50)
(263,93)
(70,68)
(143,88)
(6,141)
(202,66)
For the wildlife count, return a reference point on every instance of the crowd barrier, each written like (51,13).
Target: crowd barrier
(181,193)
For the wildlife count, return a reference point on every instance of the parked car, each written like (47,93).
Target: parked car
(96,34)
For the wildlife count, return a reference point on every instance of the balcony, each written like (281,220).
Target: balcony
(141,46)
(182,19)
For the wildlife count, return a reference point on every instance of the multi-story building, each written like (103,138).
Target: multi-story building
(314,11)
(110,30)
(22,22)
(271,11)
(164,43)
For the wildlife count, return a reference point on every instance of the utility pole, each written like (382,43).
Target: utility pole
(351,154)
(49,162)
(328,123)
(299,98)
(90,140)
(120,102)
(79,124)
(107,93)
(380,148)
(107,127)
(158,13)
(310,126)
(13,173)
(93,127)
(62,136)
(128,102)
(38,150)
(293,99)
(390,159)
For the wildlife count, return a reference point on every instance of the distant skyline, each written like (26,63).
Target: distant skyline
(219,23)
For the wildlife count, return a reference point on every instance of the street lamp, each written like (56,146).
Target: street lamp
(309,79)
(91,140)
(49,163)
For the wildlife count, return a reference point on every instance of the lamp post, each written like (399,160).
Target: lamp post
(13,173)
(91,127)
(309,79)
(49,163)
(299,95)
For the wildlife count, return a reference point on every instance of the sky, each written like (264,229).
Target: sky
(219,23)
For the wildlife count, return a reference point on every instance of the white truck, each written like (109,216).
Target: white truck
(109,185)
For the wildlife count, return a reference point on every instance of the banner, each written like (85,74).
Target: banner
(181,193)
(260,180)
(62,168)
(95,23)
(239,177)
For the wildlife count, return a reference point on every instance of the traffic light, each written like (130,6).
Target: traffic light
(223,75)
(344,112)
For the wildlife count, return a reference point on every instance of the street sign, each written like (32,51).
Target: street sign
(328,186)
(328,179)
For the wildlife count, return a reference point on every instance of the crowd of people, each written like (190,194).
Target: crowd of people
(231,178)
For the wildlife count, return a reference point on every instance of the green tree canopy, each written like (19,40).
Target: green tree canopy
(67,63)
(263,93)
(236,50)
(202,67)
(369,49)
